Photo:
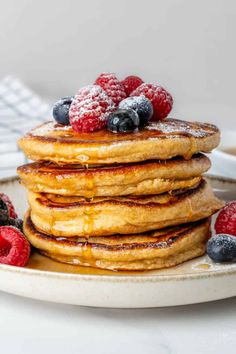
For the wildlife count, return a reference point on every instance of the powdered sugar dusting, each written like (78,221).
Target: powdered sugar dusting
(48,127)
(90,109)
(91,98)
(137,103)
(113,87)
(161,100)
(174,126)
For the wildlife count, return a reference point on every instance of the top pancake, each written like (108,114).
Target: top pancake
(158,140)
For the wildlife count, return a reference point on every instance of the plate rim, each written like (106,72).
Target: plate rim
(119,277)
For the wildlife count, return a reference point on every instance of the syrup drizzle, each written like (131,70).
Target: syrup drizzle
(88,220)
(192,148)
(90,186)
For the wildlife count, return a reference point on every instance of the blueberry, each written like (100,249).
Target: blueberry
(3,206)
(222,248)
(18,223)
(4,214)
(141,105)
(60,110)
(6,220)
(123,121)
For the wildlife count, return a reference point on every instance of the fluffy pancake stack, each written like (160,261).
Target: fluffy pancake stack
(133,201)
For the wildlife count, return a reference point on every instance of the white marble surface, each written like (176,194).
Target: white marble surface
(34,327)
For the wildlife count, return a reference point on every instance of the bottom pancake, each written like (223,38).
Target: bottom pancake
(152,250)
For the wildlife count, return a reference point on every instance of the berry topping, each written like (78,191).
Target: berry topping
(130,83)
(226,219)
(10,207)
(14,248)
(113,87)
(222,248)
(161,100)
(123,121)
(4,213)
(141,105)
(7,213)
(90,109)
(18,223)
(61,110)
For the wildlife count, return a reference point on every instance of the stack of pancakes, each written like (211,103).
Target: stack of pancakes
(133,201)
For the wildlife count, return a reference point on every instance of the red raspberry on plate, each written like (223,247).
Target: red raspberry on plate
(226,219)
(161,100)
(14,248)
(113,87)
(130,83)
(11,209)
(90,109)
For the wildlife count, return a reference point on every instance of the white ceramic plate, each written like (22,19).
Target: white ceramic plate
(195,281)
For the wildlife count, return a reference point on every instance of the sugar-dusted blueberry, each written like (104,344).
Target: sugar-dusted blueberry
(123,121)
(222,248)
(60,110)
(162,101)
(141,105)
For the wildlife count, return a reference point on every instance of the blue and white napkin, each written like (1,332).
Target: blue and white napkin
(20,110)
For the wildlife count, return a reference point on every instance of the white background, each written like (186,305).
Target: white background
(188,46)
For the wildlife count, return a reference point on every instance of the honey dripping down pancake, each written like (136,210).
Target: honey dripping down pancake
(157,140)
(143,178)
(153,250)
(70,216)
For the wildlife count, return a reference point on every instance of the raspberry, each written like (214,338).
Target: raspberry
(90,109)
(130,83)
(161,100)
(226,219)
(10,207)
(113,87)
(14,248)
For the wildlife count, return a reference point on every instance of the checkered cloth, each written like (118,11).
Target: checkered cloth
(20,110)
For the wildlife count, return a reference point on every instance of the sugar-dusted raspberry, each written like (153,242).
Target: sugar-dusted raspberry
(10,207)
(14,248)
(130,83)
(161,100)
(113,87)
(90,109)
(226,219)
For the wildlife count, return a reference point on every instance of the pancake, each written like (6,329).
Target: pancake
(158,140)
(70,216)
(150,177)
(153,250)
